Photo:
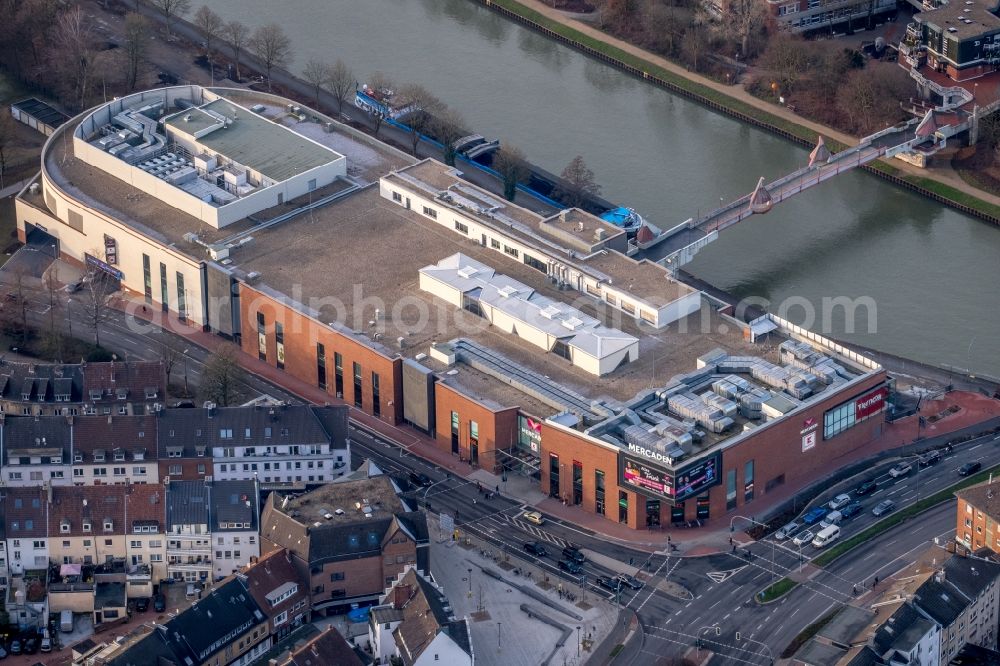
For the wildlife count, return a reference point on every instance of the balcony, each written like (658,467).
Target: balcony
(203,566)
(139,573)
(182,551)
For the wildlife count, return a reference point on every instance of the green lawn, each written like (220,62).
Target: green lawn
(777,590)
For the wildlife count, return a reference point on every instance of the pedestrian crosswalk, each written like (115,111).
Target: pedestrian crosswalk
(503,520)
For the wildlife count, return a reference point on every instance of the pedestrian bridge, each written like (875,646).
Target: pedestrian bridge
(677,246)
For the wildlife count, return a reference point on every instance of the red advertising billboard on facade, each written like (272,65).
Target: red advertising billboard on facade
(870,403)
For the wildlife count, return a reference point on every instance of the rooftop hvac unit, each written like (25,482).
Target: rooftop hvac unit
(253,277)
(328,128)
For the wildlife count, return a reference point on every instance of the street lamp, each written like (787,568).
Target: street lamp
(498,636)
(578,640)
(428,489)
(774,567)
(470,582)
(185,360)
(69,316)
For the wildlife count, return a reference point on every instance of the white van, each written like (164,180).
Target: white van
(66,621)
(826,536)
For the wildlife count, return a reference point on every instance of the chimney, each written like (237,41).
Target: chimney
(400,595)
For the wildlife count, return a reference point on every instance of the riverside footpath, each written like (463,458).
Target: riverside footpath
(942,173)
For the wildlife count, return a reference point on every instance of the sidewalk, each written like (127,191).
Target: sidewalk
(944,174)
(712,538)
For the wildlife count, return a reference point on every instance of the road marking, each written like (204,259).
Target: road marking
(894,492)
(679,612)
(715,604)
(697,598)
(721,576)
(726,616)
(973,448)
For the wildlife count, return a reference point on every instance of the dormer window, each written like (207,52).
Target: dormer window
(119,455)
(139,455)
(77,457)
(121,393)
(200,451)
(98,455)
(55,460)
(108,525)
(64,526)
(86,526)
(174,451)
(96,394)
(150,393)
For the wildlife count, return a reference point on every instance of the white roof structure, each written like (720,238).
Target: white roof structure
(516,308)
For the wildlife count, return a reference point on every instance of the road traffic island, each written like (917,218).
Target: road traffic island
(775,591)
(675,590)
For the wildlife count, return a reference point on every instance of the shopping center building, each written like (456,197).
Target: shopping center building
(517,340)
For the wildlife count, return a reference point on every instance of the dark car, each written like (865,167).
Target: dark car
(631,581)
(573,554)
(142,604)
(867,488)
(613,584)
(929,459)
(16,647)
(31,645)
(420,479)
(536,549)
(969,468)
(815,515)
(884,507)
(159,603)
(851,510)
(570,567)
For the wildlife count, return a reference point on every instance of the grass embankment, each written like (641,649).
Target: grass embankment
(777,590)
(806,634)
(713,96)
(896,518)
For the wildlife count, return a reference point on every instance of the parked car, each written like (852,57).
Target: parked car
(851,510)
(884,507)
(613,584)
(787,531)
(573,554)
(3,653)
(840,500)
(159,603)
(46,644)
(536,549)
(929,459)
(969,468)
(533,517)
(631,581)
(814,515)
(570,567)
(832,518)
(16,647)
(420,479)
(803,537)
(30,645)
(191,592)
(867,488)
(142,604)
(901,468)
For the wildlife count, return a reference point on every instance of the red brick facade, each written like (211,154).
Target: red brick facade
(779,463)
(975,528)
(191,469)
(301,335)
(497,429)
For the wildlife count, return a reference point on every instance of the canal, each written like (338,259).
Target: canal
(929,275)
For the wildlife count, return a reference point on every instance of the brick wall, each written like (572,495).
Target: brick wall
(301,335)
(976,528)
(189,468)
(779,464)
(497,428)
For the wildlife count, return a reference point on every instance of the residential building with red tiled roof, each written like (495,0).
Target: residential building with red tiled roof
(280,590)
(114,449)
(327,648)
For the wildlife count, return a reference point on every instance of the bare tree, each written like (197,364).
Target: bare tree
(340,83)
(221,376)
(579,182)
(317,73)
(172,9)
(54,338)
(425,106)
(513,168)
(379,82)
(74,42)
(97,289)
(789,57)
(238,35)
(136,46)
(448,128)
(745,19)
(17,307)
(170,356)
(272,47)
(211,26)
